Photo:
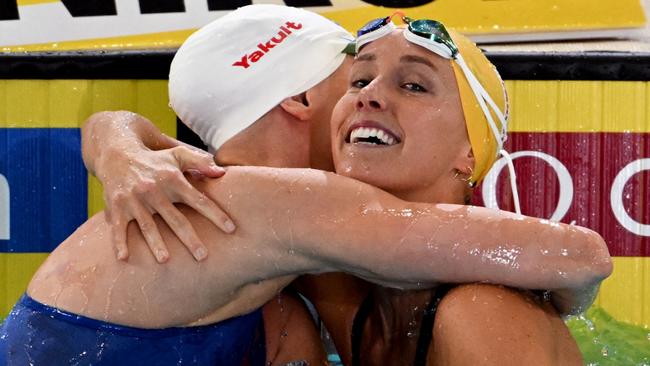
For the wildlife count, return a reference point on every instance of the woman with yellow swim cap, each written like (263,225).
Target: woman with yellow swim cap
(424,118)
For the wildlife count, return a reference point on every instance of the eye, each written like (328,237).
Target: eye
(415,87)
(360,83)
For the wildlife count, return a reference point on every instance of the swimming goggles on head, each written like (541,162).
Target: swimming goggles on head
(421,32)
(433,36)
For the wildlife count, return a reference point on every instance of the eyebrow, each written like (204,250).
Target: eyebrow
(366,57)
(419,60)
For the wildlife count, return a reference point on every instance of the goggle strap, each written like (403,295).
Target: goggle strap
(513,180)
(496,109)
(482,97)
(485,94)
(375,35)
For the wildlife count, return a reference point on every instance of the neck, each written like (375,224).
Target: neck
(320,145)
(278,140)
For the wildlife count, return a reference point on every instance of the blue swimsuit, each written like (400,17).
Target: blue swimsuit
(39,334)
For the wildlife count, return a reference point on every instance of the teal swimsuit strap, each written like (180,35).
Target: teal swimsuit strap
(426,327)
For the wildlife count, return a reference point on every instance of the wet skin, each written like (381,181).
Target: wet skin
(68,280)
(280,237)
(411,95)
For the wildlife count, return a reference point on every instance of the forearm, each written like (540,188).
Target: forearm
(339,224)
(455,244)
(412,244)
(104,131)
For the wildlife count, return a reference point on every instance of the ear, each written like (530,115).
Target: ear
(465,163)
(297,106)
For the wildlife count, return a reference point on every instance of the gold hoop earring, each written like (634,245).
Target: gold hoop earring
(469,177)
(467,180)
(459,175)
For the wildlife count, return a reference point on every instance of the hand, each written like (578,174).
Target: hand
(139,182)
(573,302)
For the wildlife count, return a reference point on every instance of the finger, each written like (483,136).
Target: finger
(182,228)
(118,233)
(200,161)
(150,232)
(206,207)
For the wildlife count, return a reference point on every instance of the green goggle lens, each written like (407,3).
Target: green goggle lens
(433,30)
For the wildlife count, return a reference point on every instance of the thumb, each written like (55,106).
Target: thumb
(197,162)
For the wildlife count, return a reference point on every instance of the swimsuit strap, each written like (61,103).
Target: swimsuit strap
(357,328)
(426,327)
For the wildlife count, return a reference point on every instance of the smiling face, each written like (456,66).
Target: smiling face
(400,126)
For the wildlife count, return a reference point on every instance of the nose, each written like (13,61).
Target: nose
(371,97)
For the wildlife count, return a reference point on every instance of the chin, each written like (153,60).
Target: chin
(367,173)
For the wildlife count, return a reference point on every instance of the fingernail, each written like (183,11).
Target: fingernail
(162,255)
(229,226)
(200,253)
(121,254)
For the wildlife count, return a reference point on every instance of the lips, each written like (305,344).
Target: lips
(371,134)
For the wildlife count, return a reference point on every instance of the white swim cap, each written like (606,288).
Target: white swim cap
(231,72)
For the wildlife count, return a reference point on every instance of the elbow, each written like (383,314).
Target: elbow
(97,117)
(605,267)
(103,116)
(597,258)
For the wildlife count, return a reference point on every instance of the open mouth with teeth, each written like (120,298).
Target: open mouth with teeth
(372,136)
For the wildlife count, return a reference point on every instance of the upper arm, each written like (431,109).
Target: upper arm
(309,221)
